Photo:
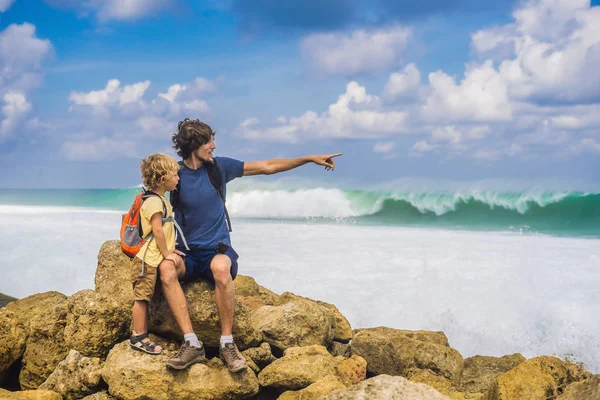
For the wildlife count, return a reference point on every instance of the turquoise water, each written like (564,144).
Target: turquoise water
(556,213)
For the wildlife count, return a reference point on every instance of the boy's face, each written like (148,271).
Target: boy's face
(170,181)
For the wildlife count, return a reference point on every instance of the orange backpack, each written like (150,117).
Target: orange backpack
(132,238)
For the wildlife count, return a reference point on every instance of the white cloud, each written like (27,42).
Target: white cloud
(98,149)
(555,46)
(480,96)
(15,108)
(5,5)
(586,145)
(384,147)
(360,51)
(21,57)
(356,114)
(421,147)
(107,10)
(112,94)
(402,83)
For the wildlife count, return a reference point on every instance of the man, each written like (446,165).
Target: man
(201,213)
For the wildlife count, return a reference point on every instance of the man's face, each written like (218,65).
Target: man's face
(204,152)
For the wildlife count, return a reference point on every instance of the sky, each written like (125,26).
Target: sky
(443,90)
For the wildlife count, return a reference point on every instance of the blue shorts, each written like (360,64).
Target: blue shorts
(197,263)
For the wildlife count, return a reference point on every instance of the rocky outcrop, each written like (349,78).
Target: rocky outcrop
(588,389)
(537,378)
(295,322)
(314,391)
(205,318)
(75,377)
(113,277)
(13,336)
(385,387)
(45,316)
(134,375)
(396,352)
(29,395)
(95,323)
(480,371)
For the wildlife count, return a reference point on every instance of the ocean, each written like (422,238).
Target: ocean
(499,271)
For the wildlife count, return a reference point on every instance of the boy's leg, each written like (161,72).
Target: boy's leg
(140,317)
(143,289)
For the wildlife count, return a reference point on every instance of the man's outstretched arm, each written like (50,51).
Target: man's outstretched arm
(276,165)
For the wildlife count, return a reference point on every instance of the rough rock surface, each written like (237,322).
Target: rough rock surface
(536,378)
(99,396)
(298,368)
(13,336)
(45,346)
(396,352)
(95,323)
(351,370)
(134,375)
(297,322)
(29,395)
(75,377)
(588,389)
(113,278)
(385,387)
(205,318)
(246,286)
(314,391)
(480,371)
(442,385)
(261,355)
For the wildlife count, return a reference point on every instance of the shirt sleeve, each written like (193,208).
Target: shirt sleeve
(151,206)
(230,168)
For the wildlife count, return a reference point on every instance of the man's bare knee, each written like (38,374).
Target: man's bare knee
(221,270)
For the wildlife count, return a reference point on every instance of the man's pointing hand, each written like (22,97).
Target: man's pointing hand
(326,160)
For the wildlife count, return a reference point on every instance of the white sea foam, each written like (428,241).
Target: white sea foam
(491,293)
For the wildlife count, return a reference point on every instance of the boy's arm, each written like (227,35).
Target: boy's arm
(159,234)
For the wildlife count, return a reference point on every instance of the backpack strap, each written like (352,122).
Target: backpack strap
(150,236)
(216,179)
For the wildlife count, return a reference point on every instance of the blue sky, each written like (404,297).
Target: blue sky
(458,90)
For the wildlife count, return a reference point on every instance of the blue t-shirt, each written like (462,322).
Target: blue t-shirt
(201,206)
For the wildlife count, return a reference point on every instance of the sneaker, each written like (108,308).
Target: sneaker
(187,356)
(232,357)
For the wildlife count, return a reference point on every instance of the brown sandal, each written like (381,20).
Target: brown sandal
(136,342)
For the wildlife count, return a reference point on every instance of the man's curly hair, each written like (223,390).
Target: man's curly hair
(191,134)
(154,167)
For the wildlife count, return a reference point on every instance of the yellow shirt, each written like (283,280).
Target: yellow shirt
(151,206)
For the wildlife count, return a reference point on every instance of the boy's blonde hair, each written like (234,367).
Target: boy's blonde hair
(155,166)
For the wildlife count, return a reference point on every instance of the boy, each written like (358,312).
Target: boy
(159,173)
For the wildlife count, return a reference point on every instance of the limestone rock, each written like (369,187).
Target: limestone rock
(314,391)
(351,370)
(75,377)
(246,286)
(343,330)
(442,385)
(29,395)
(536,378)
(13,336)
(340,349)
(480,371)
(298,322)
(395,352)
(99,396)
(385,387)
(588,389)
(45,346)
(205,318)
(95,323)
(261,355)
(133,375)
(113,276)
(298,368)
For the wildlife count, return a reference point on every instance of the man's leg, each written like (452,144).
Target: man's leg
(224,296)
(191,351)
(224,291)
(169,276)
